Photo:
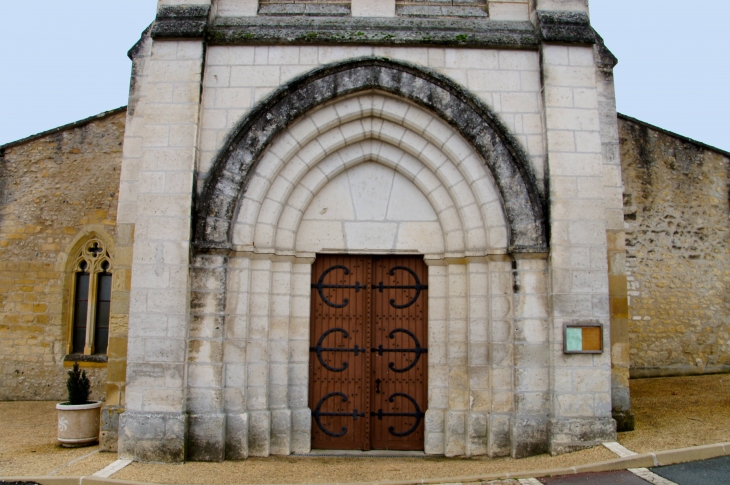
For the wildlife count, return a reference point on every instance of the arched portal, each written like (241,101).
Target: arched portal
(379,158)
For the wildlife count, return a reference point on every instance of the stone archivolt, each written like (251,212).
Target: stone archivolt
(233,171)
(397,134)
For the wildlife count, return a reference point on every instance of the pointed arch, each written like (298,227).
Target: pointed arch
(232,170)
(88,268)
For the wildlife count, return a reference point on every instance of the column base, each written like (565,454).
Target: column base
(153,437)
(301,433)
(528,436)
(259,433)
(206,437)
(434,435)
(281,425)
(477,443)
(237,436)
(572,434)
(624,420)
(109,431)
(455,433)
(498,435)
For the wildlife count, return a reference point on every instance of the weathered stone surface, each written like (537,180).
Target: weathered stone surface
(181,21)
(528,436)
(231,173)
(439,11)
(54,188)
(462,32)
(108,435)
(573,434)
(236,437)
(678,248)
(309,8)
(153,437)
(566,27)
(206,437)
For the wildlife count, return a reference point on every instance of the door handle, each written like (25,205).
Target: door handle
(377,386)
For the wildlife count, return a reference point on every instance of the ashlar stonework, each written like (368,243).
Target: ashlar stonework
(481,136)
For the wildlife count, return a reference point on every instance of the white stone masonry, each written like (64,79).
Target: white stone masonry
(239,77)
(160,304)
(581,384)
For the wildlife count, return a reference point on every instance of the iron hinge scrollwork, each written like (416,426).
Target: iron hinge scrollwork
(320,287)
(418,287)
(317,414)
(319,349)
(418,415)
(418,350)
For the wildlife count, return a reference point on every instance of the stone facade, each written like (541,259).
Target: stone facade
(257,138)
(56,190)
(677,207)
(372,147)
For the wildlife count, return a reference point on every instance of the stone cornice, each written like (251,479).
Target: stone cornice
(373,31)
(193,21)
(181,21)
(565,27)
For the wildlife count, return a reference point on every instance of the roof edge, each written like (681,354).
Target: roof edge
(675,135)
(59,129)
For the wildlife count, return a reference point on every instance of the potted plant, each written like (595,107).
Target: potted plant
(78,418)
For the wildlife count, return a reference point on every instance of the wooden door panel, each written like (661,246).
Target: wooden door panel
(399,359)
(368,352)
(339,396)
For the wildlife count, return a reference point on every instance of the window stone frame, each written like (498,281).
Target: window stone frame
(85,254)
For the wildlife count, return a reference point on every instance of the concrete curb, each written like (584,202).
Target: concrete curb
(646,460)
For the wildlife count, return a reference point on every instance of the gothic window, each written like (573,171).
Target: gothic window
(91,300)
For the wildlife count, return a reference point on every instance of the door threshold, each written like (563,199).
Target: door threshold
(363,454)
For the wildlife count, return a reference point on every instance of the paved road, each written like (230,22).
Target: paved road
(707,472)
(605,478)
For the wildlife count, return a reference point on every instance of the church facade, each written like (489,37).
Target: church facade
(374,224)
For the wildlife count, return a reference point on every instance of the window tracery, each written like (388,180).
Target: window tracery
(91,299)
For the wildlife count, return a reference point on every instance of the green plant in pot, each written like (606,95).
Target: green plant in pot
(78,418)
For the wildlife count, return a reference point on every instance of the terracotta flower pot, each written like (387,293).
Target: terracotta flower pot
(78,425)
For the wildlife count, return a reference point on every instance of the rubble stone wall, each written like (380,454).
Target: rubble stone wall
(54,190)
(677,210)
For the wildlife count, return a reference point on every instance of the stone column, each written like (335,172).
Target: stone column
(581,384)
(257,359)
(281,419)
(479,324)
(438,370)
(206,419)
(501,338)
(234,357)
(458,360)
(528,430)
(154,425)
(299,329)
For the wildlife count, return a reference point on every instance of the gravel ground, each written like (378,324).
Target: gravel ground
(677,412)
(670,413)
(29,448)
(281,470)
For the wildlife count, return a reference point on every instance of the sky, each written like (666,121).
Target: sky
(63,61)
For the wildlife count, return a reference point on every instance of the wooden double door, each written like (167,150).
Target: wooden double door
(368,352)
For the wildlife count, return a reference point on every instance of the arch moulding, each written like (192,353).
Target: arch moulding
(228,179)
